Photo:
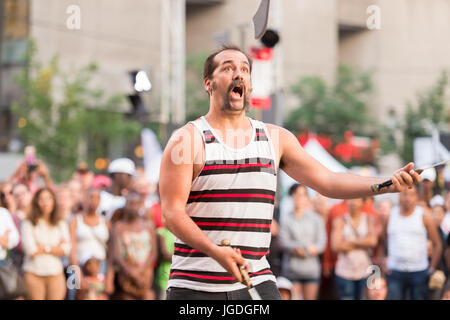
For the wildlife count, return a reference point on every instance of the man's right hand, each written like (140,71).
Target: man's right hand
(230,258)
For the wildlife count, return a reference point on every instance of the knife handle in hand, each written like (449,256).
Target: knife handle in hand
(244,273)
(378,186)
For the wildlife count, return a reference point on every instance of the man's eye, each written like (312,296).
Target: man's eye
(244,69)
(227,68)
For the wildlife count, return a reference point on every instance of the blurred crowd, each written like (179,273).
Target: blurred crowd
(102,237)
(360,249)
(92,237)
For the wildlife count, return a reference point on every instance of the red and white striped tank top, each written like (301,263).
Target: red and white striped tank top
(232,198)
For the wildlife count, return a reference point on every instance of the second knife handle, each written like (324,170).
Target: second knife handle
(245,277)
(244,273)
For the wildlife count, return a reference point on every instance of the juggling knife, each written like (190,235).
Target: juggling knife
(260,19)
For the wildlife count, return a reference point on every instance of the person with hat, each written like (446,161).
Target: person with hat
(101,182)
(121,172)
(426,187)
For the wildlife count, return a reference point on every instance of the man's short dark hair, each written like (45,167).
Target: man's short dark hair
(210,65)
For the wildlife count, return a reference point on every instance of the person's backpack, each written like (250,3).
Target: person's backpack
(12,285)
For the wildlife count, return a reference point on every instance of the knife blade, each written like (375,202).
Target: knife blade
(419,171)
(261,18)
(377,187)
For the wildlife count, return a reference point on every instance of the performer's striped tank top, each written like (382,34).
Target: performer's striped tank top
(232,198)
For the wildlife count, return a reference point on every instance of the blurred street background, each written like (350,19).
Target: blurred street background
(329,74)
(363,84)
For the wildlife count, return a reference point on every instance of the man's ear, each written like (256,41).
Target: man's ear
(207,85)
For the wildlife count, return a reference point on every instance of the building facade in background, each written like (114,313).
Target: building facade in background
(14,31)
(406,53)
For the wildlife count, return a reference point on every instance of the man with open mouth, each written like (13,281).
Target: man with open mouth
(218,181)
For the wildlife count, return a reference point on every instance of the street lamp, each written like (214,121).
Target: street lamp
(141,83)
(270,38)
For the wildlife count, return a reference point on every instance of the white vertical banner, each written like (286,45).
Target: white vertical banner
(165,61)
(262,77)
(152,155)
(178,61)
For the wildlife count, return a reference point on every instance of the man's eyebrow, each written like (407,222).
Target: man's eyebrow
(232,61)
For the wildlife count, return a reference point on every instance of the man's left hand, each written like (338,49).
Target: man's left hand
(404,178)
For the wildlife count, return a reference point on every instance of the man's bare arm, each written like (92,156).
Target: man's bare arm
(176,174)
(299,165)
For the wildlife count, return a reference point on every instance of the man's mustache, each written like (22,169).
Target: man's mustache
(237,83)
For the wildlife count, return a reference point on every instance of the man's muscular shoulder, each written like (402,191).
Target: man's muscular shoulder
(281,139)
(186,148)
(185,142)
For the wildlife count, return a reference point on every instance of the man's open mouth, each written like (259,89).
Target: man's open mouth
(237,91)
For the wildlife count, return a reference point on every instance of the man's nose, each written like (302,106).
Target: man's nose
(238,75)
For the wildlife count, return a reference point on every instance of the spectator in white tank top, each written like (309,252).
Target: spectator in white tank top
(405,234)
(89,232)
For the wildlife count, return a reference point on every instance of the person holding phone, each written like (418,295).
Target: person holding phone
(30,169)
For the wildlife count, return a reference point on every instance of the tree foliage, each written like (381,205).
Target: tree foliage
(332,110)
(60,113)
(197,100)
(431,109)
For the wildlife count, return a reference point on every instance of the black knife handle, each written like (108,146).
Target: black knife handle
(378,186)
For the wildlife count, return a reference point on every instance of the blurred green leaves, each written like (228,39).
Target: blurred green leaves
(68,120)
(197,100)
(332,110)
(431,109)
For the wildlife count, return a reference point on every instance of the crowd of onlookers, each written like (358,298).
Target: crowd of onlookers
(102,237)
(92,237)
(362,249)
